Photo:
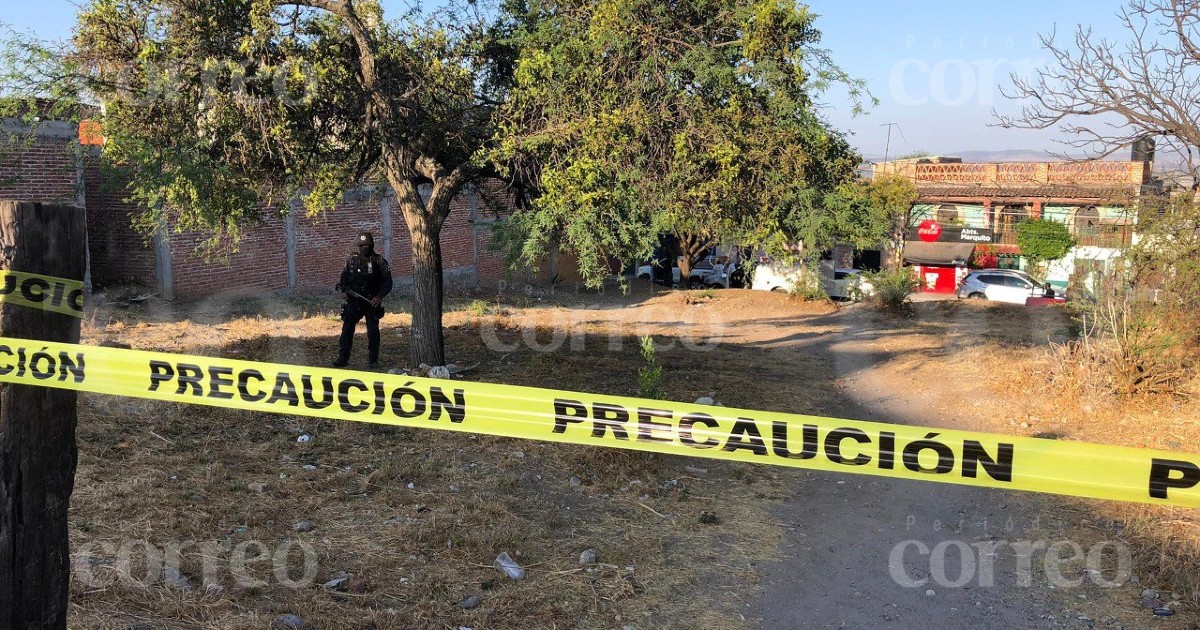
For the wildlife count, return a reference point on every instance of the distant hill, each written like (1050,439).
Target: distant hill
(1003,155)
(1163,163)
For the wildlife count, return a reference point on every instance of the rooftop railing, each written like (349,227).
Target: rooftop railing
(1019,174)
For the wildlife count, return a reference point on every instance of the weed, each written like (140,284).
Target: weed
(649,375)
(808,287)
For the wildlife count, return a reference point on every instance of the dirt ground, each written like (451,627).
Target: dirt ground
(414,519)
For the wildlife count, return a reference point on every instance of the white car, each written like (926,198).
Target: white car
(718,277)
(838,283)
(847,284)
(645,272)
(697,278)
(999,285)
(775,276)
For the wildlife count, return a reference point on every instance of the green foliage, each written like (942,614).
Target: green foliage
(868,213)
(650,374)
(1041,240)
(892,288)
(807,292)
(478,308)
(912,155)
(634,118)
(225,112)
(808,286)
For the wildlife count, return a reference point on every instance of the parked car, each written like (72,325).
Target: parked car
(999,285)
(646,271)
(771,275)
(718,276)
(847,284)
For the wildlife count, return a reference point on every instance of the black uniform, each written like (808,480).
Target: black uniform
(367,274)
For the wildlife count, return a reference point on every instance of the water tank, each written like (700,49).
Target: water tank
(1143,150)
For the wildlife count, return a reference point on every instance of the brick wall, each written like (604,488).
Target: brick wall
(491,267)
(324,242)
(260,263)
(40,169)
(46,170)
(119,254)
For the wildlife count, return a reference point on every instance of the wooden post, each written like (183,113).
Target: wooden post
(37,425)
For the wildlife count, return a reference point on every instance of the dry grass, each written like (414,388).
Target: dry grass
(168,473)
(1023,358)
(421,550)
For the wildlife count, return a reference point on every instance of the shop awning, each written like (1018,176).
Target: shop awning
(922,253)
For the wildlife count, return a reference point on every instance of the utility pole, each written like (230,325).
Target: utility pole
(37,425)
(888,145)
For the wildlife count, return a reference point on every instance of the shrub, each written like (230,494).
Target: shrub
(892,288)
(807,292)
(808,286)
(1140,332)
(1041,240)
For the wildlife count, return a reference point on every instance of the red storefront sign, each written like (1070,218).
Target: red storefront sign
(929,231)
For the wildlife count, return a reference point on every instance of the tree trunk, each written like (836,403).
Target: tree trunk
(37,426)
(685,266)
(427,346)
(690,248)
(424,230)
(898,248)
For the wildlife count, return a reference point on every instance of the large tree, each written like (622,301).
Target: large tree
(632,119)
(225,109)
(1106,94)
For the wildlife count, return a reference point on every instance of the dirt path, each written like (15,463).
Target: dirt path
(837,570)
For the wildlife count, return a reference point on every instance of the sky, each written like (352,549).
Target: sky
(937,67)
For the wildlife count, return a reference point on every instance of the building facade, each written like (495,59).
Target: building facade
(966,214)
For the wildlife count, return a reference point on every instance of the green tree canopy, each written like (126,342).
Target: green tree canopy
(870,212)
(220,108)
(637,118)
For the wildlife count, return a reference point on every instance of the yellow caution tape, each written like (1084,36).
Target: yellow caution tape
(57,295)
(764,437)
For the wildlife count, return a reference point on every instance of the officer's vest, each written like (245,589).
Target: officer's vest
(365,274)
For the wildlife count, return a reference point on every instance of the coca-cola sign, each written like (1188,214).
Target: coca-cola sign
(929,231)
(951,234)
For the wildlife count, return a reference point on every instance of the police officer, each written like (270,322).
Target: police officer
(368,275)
